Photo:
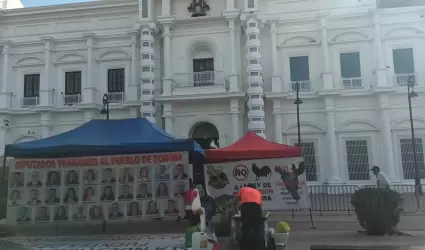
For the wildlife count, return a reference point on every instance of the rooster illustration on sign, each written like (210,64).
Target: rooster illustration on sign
(265,171)
(290,179)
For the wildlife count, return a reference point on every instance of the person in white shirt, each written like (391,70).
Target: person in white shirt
(382,180)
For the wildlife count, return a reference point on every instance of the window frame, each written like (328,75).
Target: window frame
(109,84)
(360,63)
(413,58)
(370,148)
(78,87)
(315,141)
(36,93)
(308,67)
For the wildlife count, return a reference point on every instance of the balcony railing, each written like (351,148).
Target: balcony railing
(115,97)
(352,83)
(30,101)
(403,79)
(305,86)
(70,99)
(204,79)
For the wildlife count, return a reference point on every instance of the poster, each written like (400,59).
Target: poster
(282,182)
(112,188)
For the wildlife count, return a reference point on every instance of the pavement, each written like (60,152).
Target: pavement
(335,229)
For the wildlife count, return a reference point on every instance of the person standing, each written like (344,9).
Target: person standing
(250,201)
(382,180)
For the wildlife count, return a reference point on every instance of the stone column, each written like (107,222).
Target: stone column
(131,93)
(46,90)
(235,121)
(334,168)
(231,15)
(5,95)
(89,89)
(255,82)
(327,74)
(276,79)
(147,64)
(387,143)
(277,116)
(167,80)
(167,113)
(381,70)
(46,124)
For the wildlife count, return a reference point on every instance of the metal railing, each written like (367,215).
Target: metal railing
(30,101)
(116,97)
(403,79)
(70,99)
(337,198)
(203,79)
(305,86)
(352,83)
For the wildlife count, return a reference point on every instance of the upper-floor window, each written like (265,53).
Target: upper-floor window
(32,85)
(145,11)
(251,4)
(204,64)
(350,70)
(116,80)
(403,61)
(350,65)
(299,68)
(73,83)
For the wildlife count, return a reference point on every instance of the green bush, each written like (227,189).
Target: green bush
(377,209)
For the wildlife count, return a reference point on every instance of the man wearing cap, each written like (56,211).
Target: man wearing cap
(382,180)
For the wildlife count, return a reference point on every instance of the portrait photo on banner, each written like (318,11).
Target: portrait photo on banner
(61,192)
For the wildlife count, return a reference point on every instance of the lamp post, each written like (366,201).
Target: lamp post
(298,102)
(105,109)
(411,93)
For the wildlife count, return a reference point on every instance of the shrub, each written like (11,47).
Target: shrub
(377,209)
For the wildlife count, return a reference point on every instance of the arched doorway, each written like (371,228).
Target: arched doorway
(205,133)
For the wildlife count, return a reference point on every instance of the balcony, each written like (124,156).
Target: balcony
(305,86)
(403,79)
(352,82)
(116,97)
(70,99)
(30,101)
(200,82)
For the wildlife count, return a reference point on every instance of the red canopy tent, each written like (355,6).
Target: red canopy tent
(250,147)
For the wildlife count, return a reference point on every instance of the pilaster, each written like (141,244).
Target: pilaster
(89,89)
(380,68)
(327,74)
(167,114)
(387,143)
(334,169)
(235,119)
(5,95)
(276,78)
(231,16)
(46,90)
(131,91)
(277,118)
(46,124)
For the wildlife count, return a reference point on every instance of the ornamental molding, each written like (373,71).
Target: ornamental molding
(70,11)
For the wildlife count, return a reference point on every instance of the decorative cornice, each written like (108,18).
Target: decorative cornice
(79,10)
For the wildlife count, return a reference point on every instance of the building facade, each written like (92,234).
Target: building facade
(214,69)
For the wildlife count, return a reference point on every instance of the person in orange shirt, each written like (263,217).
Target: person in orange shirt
(250,201)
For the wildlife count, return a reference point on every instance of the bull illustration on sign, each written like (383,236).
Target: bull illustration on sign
(264,171)
(290,179)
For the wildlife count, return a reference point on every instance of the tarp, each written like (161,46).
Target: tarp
(104,137)
(251,147)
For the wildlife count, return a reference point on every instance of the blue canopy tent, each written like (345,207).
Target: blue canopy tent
(104,137)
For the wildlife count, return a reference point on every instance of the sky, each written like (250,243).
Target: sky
(34,3)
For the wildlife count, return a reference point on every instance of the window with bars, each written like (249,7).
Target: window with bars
(309,155)
(116,80)
(32,85)
(73,83)
(145,11)
(407,160)
(357,159)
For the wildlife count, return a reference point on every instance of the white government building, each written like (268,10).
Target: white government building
(216,68)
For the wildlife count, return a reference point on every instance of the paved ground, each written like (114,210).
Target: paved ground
(330,229)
